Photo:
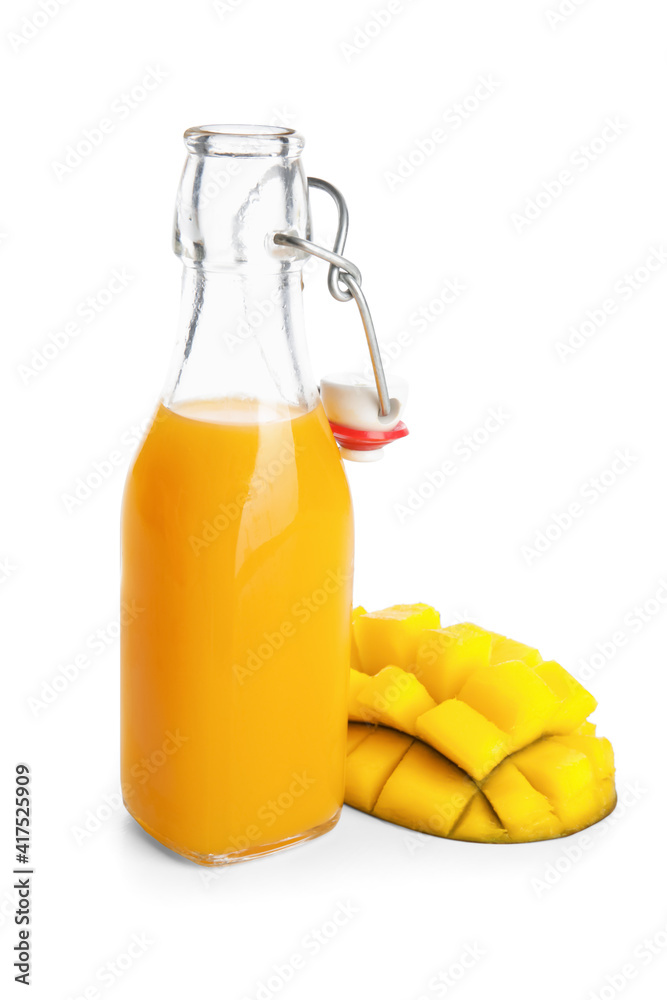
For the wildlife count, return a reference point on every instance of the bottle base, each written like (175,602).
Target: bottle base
(235,857)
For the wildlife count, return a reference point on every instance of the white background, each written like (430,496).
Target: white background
(363,103)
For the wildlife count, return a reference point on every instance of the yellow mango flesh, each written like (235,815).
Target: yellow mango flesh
(575,703)
(394,698)
(480,824)
(356,734)
(426,792)
(447,656)
(370,764)
(505,649)
(512,696)
(355,661)
(390,637)
(467,734)
(356,711)
(525,813)
(464,736)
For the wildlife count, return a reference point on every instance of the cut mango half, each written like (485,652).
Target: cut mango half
(466,734)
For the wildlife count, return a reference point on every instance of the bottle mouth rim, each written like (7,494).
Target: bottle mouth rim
(243,140)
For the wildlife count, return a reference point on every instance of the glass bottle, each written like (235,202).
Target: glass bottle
(237,537)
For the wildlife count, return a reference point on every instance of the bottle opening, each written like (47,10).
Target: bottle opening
(243,140)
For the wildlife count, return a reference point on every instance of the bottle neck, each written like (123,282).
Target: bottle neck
(242,336)
(241,327)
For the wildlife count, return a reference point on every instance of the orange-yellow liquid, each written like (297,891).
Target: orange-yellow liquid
(236,589)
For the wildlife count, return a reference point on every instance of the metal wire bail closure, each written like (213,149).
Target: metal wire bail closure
(344,282)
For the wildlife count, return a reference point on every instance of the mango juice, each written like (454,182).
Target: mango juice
(237,562)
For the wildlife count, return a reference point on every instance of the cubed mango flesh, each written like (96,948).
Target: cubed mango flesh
(426,792)
(525,813)
(394,697)
(464,736)
(480,824)
(512,696)
(561,773)
(356,734)
(390,637)
(467,734)
(575,703)
(355,710)
(447,656)
(370,764)
(505,649)
(354,653)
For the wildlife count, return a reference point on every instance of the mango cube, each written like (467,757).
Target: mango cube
(514,697)
(391,636)
(464,736)
(355,710)
(505,649)
(585,729)
(575,703)
(370,764)
(354,652)
(393,697)
(356,734)
(561,773)
(425,792)
(480,824)
(525,813)
(447,656)
(598,750)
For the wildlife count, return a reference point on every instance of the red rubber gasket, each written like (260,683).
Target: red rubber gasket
(356,440)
